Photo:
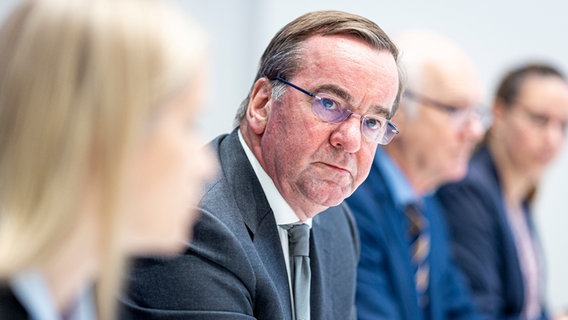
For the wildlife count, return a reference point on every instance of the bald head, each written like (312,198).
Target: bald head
(436,65)
(436,122)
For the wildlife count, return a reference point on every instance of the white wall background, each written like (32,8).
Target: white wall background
(498,35)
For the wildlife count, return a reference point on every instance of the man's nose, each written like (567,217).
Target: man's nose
(347,134)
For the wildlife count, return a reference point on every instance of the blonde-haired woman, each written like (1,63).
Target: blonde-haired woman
(98,157)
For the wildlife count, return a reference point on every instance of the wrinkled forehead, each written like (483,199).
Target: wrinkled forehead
(357,68)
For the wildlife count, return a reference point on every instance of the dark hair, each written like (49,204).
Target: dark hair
(509,90)
(283,55)
(511,85)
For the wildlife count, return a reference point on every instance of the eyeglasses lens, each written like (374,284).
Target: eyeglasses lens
(329,110)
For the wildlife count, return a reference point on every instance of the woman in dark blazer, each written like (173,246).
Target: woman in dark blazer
(489,212)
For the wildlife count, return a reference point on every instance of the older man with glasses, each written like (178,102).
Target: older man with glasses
(406,269)
(275,240)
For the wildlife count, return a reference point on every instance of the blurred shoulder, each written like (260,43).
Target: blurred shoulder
(10,307)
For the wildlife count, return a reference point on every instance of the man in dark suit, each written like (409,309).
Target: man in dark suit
(307,133)
(406,270)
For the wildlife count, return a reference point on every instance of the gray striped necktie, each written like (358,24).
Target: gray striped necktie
(299,247)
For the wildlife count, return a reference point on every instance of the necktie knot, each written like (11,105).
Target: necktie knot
(416,221)
(299,239)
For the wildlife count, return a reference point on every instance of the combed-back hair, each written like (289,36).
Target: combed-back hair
(284,55)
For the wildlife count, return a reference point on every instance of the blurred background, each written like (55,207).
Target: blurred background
(497,34)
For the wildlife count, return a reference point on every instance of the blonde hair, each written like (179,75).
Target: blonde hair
(79,82)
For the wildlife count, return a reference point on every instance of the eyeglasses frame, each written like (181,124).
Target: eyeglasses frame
(389,124)
(448,108)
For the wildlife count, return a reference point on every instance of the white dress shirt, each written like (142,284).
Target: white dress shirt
(528,260)
(31,291)
(283,213)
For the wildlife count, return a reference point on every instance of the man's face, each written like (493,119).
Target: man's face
(315,164)
(436,142)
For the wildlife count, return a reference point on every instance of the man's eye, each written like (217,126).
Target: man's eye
(329,104)
(539,120)
(453,110)
(373,124)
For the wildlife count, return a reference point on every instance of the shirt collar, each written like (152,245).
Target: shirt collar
(283,213)
(31,290)
(399,185)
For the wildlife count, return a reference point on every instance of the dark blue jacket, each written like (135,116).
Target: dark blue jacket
(385,280)
(482,240)
(10,307)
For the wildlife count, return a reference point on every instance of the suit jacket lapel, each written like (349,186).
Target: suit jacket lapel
(514,278)
(318,254)
(267,242)
(257,216)
(398,251)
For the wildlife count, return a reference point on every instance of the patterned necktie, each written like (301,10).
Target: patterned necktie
(299,247)
(419,236)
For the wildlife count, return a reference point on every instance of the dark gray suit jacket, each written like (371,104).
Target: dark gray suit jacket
(234,268)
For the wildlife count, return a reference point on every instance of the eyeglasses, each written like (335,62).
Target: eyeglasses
(541,120)
(329,109)
(459,116)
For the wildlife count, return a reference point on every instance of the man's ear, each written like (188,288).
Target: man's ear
(258,110)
